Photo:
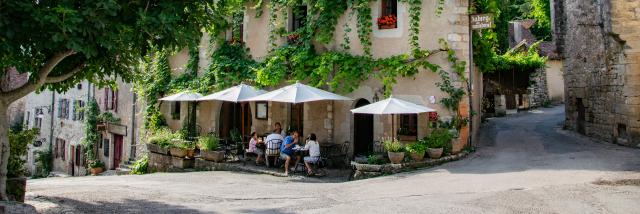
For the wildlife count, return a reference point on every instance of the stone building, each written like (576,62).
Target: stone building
(60,118)
(332,121)
(600,44)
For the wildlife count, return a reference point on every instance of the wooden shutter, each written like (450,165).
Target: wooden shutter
(75,109)
(64,147)
(105,99)
(55,149)
(115,100)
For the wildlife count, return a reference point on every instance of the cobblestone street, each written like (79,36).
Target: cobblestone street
(525,164)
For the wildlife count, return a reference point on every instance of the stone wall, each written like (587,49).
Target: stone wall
(539,91)
(601,46)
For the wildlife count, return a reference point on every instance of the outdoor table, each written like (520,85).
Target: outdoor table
(301,152)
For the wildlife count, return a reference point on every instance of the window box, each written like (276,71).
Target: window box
(382,27)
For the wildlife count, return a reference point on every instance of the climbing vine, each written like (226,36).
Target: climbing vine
(91,133)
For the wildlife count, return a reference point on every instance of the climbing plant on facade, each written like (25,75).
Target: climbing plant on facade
(91,133)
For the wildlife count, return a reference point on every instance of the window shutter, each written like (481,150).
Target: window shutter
(64,147)
(115,101)
(75,108)
(60,108)
(105,99)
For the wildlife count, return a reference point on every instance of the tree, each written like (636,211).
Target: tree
(59,43)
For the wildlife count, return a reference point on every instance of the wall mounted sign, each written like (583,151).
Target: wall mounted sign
(482,21)
(261,110)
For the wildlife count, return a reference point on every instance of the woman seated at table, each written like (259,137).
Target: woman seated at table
(253,147)
(314,152)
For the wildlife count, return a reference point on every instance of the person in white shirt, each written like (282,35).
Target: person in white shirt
(271,139)
(314,152)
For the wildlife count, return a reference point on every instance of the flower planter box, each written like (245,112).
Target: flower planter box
(178,152)
(435,153)
(16,188)
(96,171)
(381,27)
(157,149)
(216,156)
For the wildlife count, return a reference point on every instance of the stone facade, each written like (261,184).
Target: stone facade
(600,42)
(332,121)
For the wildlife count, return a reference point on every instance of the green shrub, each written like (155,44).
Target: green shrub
(209,142)
(140,166)
(19,141)
(439,138)
(374,159)
(416,147)
(164,138)
(44,162)
(393,145)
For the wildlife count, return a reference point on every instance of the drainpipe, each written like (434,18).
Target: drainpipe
(132,155)
(471,69)
(53,103)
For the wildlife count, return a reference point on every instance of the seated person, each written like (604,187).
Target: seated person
(314,152)
(278,129)
(271,139)
(253,147)
(286,150)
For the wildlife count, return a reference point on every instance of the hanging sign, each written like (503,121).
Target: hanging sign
(482,21)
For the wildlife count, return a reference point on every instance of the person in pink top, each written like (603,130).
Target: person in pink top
(253,148)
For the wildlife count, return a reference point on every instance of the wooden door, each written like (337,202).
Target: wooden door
(117,150)
(362,131)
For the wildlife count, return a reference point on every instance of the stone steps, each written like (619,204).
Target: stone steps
(124,168)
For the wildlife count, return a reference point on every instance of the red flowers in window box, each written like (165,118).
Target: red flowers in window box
(387,22)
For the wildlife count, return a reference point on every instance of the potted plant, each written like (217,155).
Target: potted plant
(416,150)
(395,150)
(96,167)
(210,148)
(436,142)
(388,22)
(16,181)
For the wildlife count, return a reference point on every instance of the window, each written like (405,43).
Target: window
(105,147)
(110,101)
(60,148)
(78,156)
(298,17)
(237,30)
(63,109)
(175,110)
(79,86)
(388,14)
(78,110)
(408,125)
(37,118)
(28,118)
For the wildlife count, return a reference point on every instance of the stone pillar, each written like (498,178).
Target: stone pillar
(539,90)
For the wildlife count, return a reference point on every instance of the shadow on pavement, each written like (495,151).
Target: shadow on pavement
(68,205)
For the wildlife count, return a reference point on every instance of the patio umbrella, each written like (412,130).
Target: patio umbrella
(298,93)
(186,96)
(182,96)
(235,94)
(392,106)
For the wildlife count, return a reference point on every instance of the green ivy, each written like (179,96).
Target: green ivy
(91,133)
(19,141)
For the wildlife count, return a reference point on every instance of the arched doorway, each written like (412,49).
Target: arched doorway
(231,117)
(362,131)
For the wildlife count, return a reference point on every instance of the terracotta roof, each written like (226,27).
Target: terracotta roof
(548,49)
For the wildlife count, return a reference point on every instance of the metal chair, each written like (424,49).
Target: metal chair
(272,151)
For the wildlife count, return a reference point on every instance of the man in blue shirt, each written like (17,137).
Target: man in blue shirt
(286,150)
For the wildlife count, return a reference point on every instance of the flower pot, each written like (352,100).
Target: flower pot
(435,153)
(396,157)
(417,156)
(16,188)
(178,152)
(216,156)
(456,145)
(191,153)
(96,171)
